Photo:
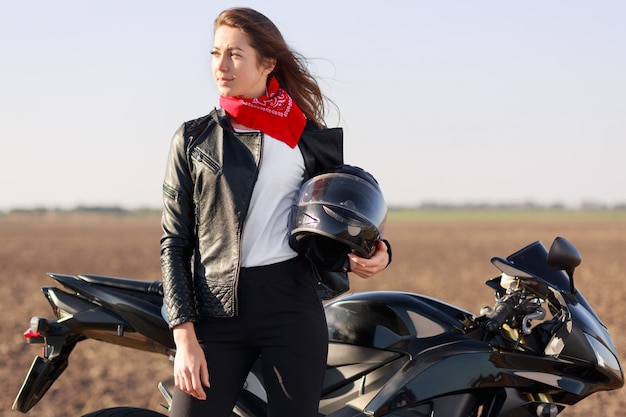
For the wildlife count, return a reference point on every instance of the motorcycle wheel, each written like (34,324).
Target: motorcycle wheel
(124,412)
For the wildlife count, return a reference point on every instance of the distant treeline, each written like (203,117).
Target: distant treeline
(112,210)
(121,211)
(529,206)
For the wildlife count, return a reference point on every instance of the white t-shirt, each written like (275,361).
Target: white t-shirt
(265,233)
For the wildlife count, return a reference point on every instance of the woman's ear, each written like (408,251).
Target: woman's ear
(269,64)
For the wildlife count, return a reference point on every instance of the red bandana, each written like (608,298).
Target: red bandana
(275,113)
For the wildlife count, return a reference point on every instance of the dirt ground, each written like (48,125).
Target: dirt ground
(445,260)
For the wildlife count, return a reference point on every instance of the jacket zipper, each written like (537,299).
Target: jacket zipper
(206,160)
(242,224)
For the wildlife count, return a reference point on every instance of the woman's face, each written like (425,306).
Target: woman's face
(235,65)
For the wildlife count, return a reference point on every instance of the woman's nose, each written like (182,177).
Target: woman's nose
(222,63)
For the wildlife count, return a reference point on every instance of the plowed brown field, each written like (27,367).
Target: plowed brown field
(445,260)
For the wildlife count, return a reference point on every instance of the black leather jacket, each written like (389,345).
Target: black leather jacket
(210,174)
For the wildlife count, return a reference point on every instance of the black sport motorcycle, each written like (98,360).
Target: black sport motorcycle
(540,348)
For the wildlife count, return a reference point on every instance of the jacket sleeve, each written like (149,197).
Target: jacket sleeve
(388,250)
(177,241)
(322,150)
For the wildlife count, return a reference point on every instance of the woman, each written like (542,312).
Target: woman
(234,289)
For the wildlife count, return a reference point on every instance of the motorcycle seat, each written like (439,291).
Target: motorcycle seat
(152,287)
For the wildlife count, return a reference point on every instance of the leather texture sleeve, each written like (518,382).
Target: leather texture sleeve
(178,239)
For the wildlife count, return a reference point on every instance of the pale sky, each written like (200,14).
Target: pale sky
(442,101)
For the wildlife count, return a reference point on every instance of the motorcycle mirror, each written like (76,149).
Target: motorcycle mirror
(563,255)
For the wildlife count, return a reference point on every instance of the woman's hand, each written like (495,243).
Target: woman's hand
(191,372)
(364,267)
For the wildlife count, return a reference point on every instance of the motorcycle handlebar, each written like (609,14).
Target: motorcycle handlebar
(503,311)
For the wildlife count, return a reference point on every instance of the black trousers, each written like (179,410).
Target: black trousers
(281,319)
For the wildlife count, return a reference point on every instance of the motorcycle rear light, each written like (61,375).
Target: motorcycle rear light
(33,338)
(31,334)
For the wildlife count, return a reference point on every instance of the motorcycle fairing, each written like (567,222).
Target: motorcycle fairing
(354,374)
(471,366)
(347,363)
(530,265)
(531,262)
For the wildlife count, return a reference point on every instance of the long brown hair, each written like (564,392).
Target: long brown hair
(291,67)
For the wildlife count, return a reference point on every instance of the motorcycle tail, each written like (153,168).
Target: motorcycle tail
(113,310)
(41,375)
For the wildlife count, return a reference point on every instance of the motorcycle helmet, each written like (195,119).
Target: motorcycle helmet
(337,212)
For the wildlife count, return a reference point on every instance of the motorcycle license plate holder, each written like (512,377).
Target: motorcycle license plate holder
(41,375)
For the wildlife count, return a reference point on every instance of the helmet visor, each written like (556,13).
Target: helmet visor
(348,192)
